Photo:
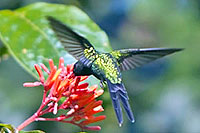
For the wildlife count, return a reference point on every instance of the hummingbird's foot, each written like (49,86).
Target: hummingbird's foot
(102,84)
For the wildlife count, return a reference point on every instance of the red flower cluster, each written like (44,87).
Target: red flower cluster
(79,99)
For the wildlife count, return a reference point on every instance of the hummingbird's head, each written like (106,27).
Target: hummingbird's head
(81,70)
(78,68)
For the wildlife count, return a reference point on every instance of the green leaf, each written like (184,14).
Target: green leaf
(33,131)
(30,40)
(6,128)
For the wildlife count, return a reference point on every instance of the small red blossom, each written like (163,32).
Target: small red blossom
(79,99)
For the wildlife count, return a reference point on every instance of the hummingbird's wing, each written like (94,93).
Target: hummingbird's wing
(73,43)
(132,58)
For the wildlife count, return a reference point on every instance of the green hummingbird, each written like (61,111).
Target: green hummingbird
(106,67)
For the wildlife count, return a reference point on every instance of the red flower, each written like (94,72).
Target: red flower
(79,99)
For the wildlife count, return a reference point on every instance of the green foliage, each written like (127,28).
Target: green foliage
(6,128)
(33,131)
(29,39)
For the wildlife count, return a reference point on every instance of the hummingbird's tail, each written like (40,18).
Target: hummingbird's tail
(117,93)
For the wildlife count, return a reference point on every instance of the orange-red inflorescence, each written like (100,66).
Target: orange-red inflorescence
(78,99)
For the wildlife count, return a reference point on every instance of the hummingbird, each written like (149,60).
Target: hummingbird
(106,67)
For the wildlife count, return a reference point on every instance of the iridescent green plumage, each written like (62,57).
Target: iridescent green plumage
(106,67)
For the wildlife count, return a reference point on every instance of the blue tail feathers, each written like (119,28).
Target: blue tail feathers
(117,93)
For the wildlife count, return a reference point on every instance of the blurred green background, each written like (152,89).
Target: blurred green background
(164,95)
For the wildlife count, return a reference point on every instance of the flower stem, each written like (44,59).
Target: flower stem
(27,122)
(45,101)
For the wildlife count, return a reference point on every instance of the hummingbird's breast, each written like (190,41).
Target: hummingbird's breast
(106,67)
